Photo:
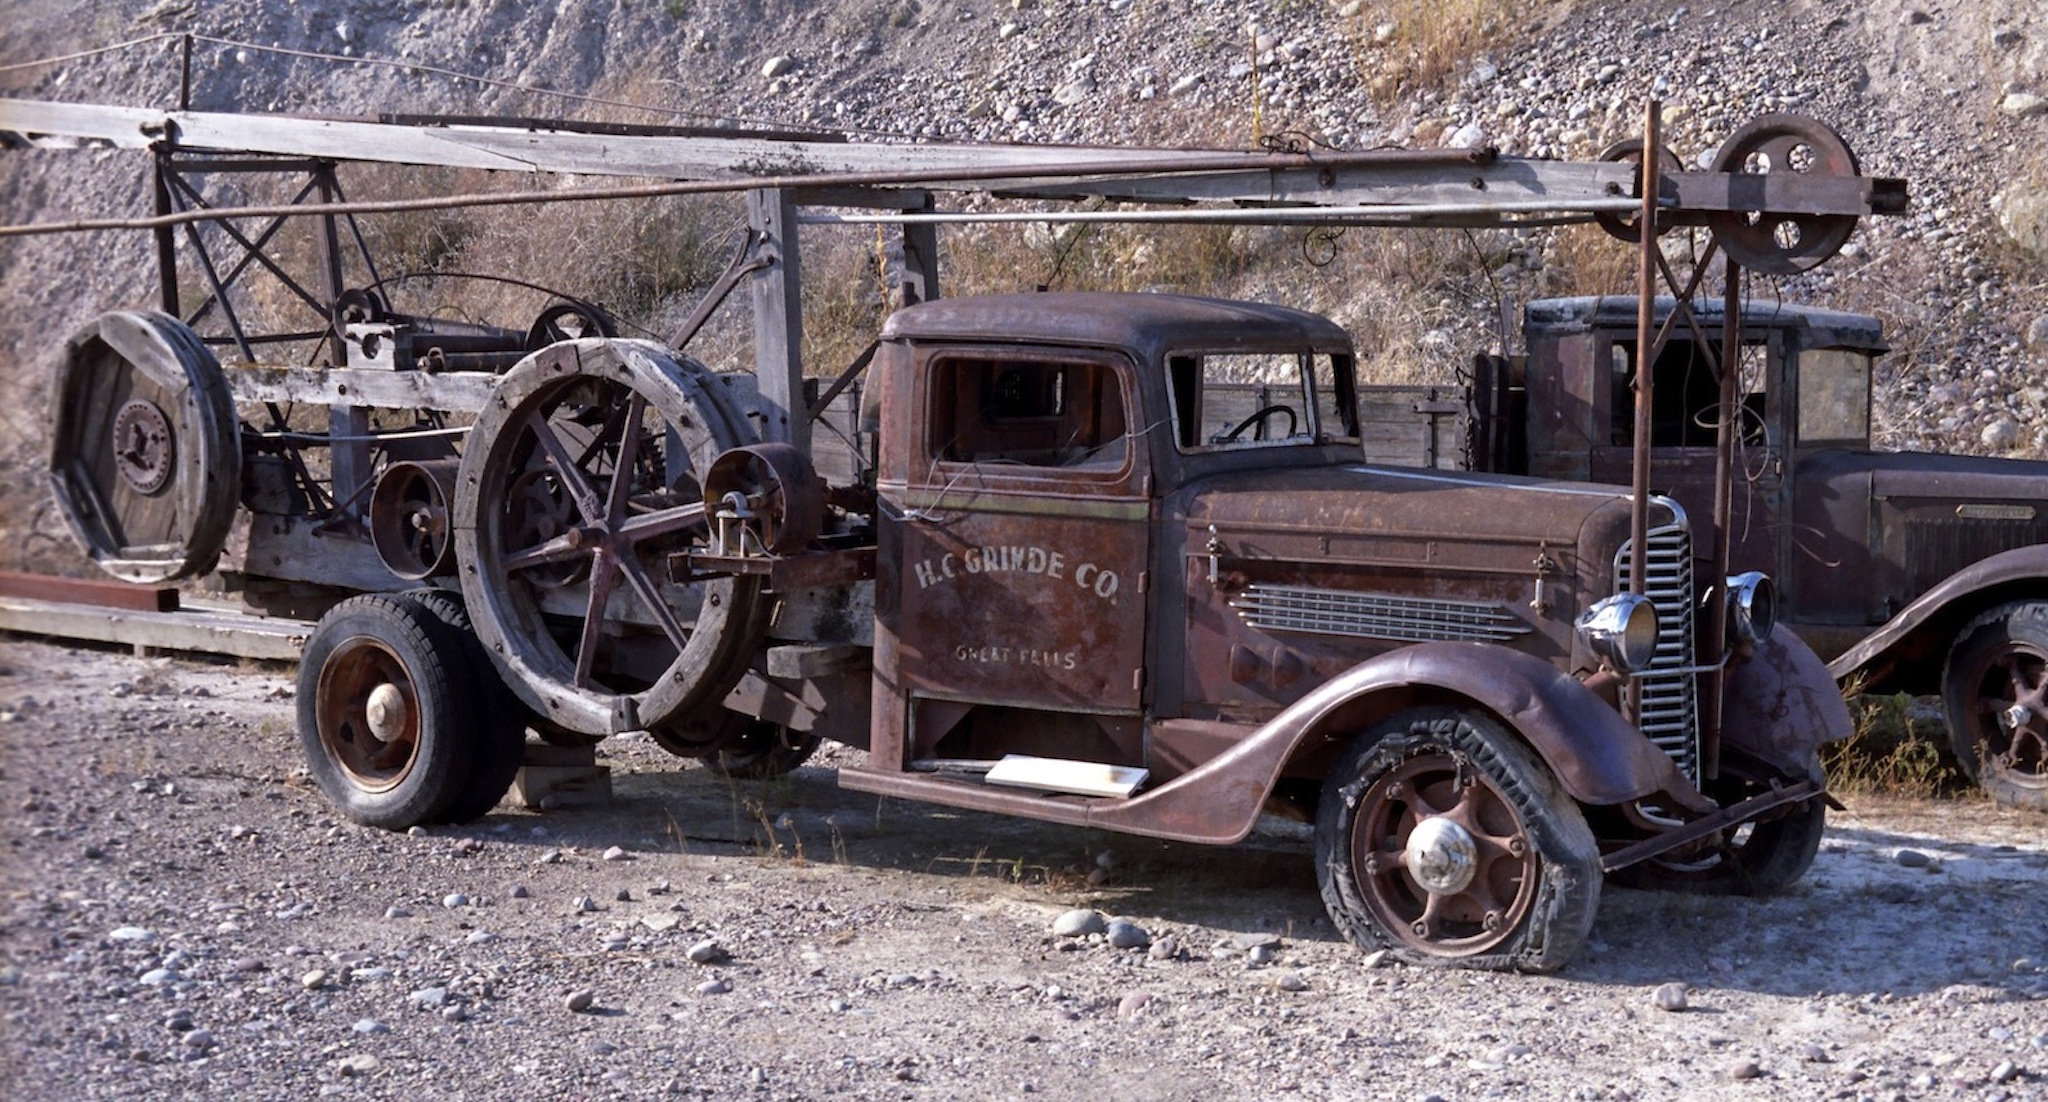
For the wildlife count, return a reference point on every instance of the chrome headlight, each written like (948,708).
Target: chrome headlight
(1622,631)
(1752,606)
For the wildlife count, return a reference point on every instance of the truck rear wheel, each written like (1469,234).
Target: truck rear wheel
(1443,840)
(1995,690)
(384,694)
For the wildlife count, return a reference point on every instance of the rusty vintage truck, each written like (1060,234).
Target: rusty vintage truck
(1115,560)
(1909,572)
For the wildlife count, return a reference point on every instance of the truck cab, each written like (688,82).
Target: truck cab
(1912,572)
(1134,572)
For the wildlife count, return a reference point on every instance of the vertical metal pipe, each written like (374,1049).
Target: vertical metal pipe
(1724,508)
(185,74)
(1646,302)
(166,240)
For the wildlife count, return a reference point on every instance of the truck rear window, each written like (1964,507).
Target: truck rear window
(1228,400)
(1033,411)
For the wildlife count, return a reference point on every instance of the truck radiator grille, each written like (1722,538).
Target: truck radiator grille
(1375,615)
(1669,698)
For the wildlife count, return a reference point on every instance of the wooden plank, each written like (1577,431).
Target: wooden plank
(1081,171)
(1082,778)
(101,592)
(1566,185)
(523,149)
(450,391)
(235,634)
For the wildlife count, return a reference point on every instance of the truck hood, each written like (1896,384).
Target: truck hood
(1924,474)
(1359,506)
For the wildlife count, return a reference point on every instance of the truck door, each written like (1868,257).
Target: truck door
(1024,530)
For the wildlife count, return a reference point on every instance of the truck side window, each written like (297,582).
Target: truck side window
(1834,397)
(1225,400)
(1036,412)
(1682,410)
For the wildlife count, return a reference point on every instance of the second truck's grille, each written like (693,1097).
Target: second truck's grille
(1668,697)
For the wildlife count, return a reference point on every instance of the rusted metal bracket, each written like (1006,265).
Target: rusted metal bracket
(746,260)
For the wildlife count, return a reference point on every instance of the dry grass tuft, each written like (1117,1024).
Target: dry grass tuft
(1892,754)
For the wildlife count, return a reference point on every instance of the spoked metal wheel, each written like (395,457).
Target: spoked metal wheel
(581,480)
(1996,693)
(1441,838)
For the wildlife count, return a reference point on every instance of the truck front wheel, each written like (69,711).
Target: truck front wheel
(1445,841)
(1995,690)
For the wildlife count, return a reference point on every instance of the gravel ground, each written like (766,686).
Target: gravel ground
(185,917)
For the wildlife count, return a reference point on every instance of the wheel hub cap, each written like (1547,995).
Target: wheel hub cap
(143,445)
(1442,856)
(386,712)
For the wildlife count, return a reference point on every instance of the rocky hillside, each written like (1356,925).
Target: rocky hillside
(1951,95)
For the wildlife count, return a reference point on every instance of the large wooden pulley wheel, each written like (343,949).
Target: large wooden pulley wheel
(1778,242)
(582,476)
(146,457)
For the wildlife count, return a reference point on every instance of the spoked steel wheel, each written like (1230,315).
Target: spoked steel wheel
(1443,839)
(581,484)
(1442,859)
(1996,693)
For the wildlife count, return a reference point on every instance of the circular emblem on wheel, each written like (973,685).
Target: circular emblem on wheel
(143,446)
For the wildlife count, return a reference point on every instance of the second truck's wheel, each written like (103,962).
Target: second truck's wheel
(1442,839)
(499,743)
(386,698)
(1995,690)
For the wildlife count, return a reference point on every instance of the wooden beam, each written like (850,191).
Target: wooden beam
(449,391)
(778,318)
(102,592)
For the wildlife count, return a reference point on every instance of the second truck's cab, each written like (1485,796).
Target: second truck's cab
(1907,571)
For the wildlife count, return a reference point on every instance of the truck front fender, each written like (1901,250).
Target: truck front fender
(1781,704)
(1924,629)
(1598,758)
(1597,755)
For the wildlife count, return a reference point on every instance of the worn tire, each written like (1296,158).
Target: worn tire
(385,692)
(762,752)
(1999,661)
(500,743)
(737,746)
(1531,841)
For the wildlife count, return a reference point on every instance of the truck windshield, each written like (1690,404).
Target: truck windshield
(1230,400)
